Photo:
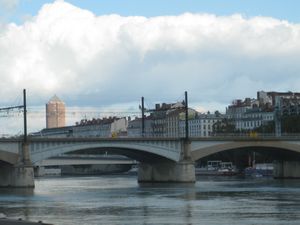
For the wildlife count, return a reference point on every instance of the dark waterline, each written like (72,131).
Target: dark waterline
(120,200)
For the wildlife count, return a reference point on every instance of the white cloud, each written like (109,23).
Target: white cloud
(99,60)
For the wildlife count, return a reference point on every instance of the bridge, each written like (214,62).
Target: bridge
(161,159)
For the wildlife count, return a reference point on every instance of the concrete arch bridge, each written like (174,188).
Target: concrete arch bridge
(161,159)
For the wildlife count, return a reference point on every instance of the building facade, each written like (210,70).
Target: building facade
(106,127)
(202,125)
(251,114)
(55,113)
(168,120)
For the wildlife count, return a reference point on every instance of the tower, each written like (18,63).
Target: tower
(55,113)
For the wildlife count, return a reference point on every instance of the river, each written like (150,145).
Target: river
(120,200)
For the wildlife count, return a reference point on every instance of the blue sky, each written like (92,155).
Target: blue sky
(281,9)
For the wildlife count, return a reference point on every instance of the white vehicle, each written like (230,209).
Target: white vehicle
(213,165)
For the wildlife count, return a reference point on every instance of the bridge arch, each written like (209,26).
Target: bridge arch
(8,157)
(202,152)
(137,151)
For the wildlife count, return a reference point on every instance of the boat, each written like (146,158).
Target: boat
(227,169)
(133,170)
(217,168)
(260,170)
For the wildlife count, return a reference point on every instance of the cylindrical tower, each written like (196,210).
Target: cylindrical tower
(55,113)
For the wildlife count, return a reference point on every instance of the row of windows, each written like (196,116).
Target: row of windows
(201,127)
(249,124)
(202,121)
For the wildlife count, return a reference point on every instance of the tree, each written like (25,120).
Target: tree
(290,124)
(266,128)
(224,126)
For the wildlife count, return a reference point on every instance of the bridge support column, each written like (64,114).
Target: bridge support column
(20,175)
(16,176)
(177,172)
(181,172)
(287,169)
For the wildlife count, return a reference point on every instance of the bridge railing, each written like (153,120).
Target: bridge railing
(227,136)
(257,135)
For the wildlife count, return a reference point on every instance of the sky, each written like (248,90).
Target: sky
(107,54)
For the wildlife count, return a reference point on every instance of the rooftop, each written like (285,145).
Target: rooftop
(55,99)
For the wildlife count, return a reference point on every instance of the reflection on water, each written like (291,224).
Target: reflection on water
(25,192)
(120,200)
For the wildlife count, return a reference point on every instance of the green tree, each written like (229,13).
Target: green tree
(290,124)
(266,128)
(224,126)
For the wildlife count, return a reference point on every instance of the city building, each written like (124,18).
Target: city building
(254,118)
(268,113)
(166,120)
(134,128)
(163,121)
(106,127)
(55,113)
(252,114)
(202,125)
(273,95)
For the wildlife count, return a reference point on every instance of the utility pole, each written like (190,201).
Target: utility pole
(7,109)
(25,115)
(186,116)
(143,118)
(25,150)
(277,116)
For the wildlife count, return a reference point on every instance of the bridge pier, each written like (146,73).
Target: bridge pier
(287,169)
(177,172)
(20,175)
(181,172)
(16,176)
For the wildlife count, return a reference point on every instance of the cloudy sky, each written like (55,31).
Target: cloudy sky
(107,54)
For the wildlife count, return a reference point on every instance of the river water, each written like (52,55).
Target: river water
(120,200)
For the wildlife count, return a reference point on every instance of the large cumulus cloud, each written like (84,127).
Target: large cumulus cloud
(98,60)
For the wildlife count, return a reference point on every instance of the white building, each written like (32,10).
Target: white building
(254,118)
(201,125)
(250,114)
(134,128)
